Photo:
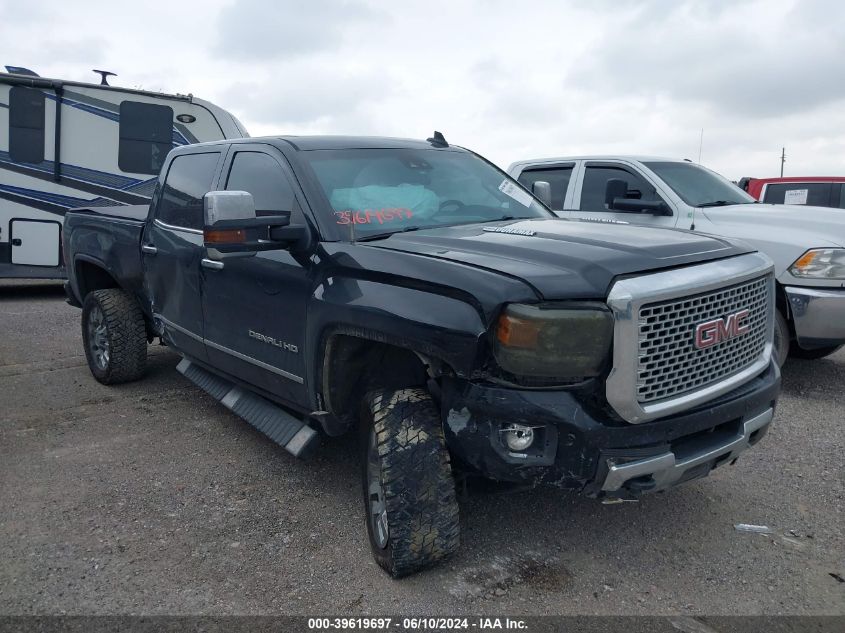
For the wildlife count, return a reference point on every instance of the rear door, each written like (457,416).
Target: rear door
(559,177)
(172,247)
(255,306)
(589,194)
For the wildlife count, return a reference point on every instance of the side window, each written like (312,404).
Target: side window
(842,196)
(260,175)
(188,180)
(557,177)
(818,193)
(595,184)
(26,125)
(146,135)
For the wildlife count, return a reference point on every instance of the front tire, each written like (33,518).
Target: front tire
(409,490)
(813,354)
(114,336)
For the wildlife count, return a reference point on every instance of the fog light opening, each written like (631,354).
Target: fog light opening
(518,437)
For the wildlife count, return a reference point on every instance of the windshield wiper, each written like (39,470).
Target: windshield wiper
(716,203)
(381,236)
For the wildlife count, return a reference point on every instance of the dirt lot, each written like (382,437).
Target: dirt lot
(152,498)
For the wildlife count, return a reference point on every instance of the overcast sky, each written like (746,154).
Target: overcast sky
(508,79)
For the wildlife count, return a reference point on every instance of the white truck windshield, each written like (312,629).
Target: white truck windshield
(697,186)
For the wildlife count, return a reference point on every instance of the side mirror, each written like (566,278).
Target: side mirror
(232,228)
(543,191)
(615,198)
(616,188)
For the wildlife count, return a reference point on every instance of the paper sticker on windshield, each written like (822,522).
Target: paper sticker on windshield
(372,216)
(520,195)
(795,196)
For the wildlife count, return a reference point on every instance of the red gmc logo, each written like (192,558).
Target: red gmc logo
(720,330)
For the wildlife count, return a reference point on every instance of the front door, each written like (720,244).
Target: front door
(590,195)
(255,306)
(172,247)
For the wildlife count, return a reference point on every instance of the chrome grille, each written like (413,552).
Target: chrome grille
(669,364)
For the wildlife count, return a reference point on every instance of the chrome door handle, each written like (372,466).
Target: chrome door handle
(149,249)
(211,264)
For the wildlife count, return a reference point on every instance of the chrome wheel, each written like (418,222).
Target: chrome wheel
(377,515)
(98,338)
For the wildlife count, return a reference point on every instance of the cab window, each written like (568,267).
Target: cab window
(595,185)
(188,179)
(557,177)
(259,174)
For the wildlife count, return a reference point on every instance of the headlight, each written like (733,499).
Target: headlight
(554,341)
(820,263)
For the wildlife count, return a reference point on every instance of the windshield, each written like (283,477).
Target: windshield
(373,192)
(698,186)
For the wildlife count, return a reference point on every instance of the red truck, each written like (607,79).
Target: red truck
(817,191)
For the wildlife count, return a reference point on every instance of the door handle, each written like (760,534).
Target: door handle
(149,249)
(16,242)
(211,264)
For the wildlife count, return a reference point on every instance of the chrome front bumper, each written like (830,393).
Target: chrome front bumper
(818,315)
(695,459)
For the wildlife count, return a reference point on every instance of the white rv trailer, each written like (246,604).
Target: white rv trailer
(66,144)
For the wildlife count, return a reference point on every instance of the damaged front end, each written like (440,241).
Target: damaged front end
(564,438)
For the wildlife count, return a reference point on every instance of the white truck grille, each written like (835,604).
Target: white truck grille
(670,364)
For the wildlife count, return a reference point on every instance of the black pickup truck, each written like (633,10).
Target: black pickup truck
(413,295)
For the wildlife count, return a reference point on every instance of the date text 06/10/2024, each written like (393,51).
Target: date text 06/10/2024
(416,624)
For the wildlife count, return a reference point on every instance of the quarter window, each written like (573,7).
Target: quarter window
(26,125)
(557,177)
(259,174)
(595,185)
(146,135)
(188,180)
(818,193)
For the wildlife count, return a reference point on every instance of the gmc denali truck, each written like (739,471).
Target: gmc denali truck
(807,244)
(411,294)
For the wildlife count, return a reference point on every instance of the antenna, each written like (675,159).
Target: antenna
(782,160)
(104,75)
(438,140)
(700,145)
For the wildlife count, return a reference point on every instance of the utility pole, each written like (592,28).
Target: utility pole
(782,160)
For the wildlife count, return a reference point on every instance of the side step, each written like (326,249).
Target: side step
(280,426)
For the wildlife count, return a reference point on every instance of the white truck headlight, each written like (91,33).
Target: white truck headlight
(820,263)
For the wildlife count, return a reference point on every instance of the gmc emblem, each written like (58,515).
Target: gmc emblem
(718,331)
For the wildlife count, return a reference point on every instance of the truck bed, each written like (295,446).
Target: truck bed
(109,237)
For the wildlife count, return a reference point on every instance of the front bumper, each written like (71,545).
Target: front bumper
(577,446)
(818,315)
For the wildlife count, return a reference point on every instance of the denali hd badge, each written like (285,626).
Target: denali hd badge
(717,331)
(288,347)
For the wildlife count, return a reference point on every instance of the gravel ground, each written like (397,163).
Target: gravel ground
(152,498)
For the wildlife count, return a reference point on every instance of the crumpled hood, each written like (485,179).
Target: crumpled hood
(564,258)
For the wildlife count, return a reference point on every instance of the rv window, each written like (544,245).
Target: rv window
(261,175)
(26,125)
(146,135)
(188,180)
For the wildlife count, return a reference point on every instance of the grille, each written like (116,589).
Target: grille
(670,364)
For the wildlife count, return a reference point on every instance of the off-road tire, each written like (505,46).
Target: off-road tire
(781,345)
(813,354)
(416,478)
(125,333)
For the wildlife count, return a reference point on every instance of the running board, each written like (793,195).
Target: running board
(280,426)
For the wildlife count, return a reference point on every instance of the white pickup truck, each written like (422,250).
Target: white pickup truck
(807,244)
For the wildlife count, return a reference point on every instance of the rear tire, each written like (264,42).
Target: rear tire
(409,490)
(813,354)
(114,336)
(780,348)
